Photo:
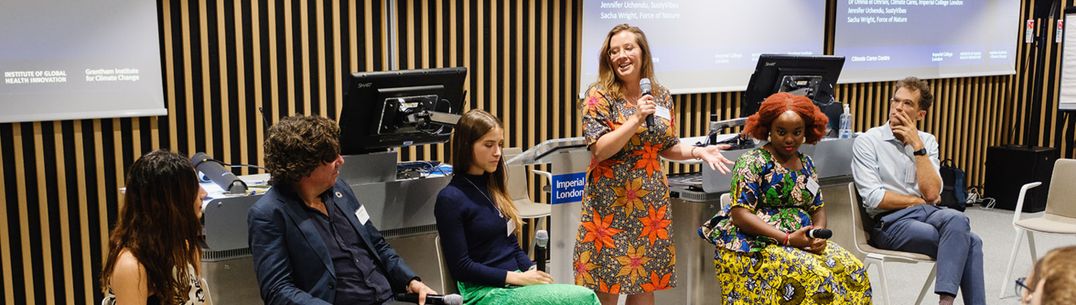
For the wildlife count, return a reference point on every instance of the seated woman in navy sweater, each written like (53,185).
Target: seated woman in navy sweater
(478,225)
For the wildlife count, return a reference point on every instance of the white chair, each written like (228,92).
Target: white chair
(448,283)
(1059,218)
(533,212)
(879,257)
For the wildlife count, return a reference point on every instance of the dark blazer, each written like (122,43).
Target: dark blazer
(290,257)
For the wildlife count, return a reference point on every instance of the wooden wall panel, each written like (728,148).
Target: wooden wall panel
(231,68)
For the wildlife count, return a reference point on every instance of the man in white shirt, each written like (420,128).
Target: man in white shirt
(896,172)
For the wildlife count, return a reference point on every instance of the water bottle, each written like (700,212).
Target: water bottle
(845,131)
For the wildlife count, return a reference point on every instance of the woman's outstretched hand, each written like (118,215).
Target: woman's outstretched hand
(712,156)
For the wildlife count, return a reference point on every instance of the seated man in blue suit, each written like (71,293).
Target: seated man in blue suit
(312,241)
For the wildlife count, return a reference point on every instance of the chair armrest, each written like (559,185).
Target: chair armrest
(1020,201)
(548,178)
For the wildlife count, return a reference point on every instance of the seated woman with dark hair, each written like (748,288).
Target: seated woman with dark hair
(154,255)
(478,225)
(764,255)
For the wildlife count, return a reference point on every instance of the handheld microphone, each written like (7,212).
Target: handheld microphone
(541,238)
(216,172)
(819,233)
(431,299)
(644,86)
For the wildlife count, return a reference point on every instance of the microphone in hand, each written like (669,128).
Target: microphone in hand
(644,86)
(541,239)
(431,299)
(820,233)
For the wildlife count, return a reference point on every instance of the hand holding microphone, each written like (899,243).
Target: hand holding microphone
(645,88)
(809,239)
(819,233)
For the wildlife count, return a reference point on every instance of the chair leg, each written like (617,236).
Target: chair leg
(1012,259)
(885,283)
(926,285)
(1031,246)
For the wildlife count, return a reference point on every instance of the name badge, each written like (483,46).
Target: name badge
(511,228)
(812,186)
(663,112)
(909,175)
(362,215)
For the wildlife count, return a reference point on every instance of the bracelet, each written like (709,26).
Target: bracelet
(786,237)
(693,152)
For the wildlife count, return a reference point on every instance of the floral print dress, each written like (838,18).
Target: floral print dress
(757,269)
(624,243)
(196,295)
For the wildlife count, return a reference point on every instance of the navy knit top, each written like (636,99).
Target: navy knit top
(474,236)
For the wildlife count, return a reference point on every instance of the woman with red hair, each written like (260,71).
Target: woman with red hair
(764,254)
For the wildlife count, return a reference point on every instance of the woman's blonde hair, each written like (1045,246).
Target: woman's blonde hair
(1057,272)
(470,128)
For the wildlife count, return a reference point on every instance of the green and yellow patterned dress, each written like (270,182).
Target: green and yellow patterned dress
(757,269)
(624,243)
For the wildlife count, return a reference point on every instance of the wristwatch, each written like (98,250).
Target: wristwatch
(920,152)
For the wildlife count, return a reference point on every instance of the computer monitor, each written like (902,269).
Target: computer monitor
(813,76)
(384,110)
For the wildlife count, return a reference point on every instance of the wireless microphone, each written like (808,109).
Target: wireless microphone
(431,299)
(644,85)
(541,238)
(819,233)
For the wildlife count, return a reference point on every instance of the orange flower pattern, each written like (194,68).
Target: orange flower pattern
(631,197)
(632,263)
(625,232)
(582,269)
(648,160)
(600,170)
(612,289)
(599,232)
(591,106)
(656,224)
(657,282)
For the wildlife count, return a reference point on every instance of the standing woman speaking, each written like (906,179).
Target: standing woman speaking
(624,244)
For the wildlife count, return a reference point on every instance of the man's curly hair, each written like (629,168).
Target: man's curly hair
(926,98)
(297,145)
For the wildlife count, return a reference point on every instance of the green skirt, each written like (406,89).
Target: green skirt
(549,294)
